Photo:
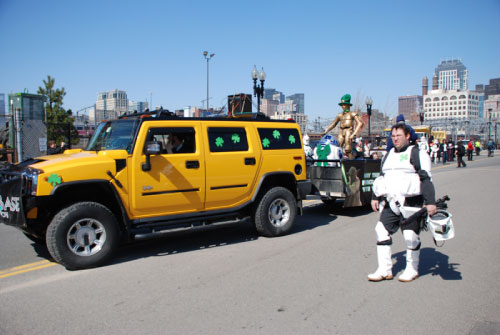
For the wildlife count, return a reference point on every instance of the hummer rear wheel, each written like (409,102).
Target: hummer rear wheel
(275,212)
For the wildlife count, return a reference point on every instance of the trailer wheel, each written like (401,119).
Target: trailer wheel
(275,212)
(83,235)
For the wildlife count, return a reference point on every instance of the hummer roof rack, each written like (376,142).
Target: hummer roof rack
(159,114)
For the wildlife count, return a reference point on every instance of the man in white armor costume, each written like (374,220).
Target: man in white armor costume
(404,186)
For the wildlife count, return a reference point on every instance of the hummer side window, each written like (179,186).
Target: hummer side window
(279,138)
(174,139)
(227,139)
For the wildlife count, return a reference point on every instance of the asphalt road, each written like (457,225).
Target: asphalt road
(230,281)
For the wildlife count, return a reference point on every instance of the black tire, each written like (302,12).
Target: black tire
(83,235)
(275,212)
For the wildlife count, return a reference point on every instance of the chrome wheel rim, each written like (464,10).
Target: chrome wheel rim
(86,237)
(279,213)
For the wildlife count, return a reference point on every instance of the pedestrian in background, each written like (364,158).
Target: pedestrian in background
(434,152)
(460,155)
(470,150)
(444,151)
(450,151)
(477,144)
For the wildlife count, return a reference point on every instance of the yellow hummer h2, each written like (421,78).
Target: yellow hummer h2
(146,173)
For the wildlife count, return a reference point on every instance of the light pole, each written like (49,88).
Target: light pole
(489,126)
(496,124)
(369,103)
(207,57)
(258,90)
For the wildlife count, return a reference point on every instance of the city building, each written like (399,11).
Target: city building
(298,100)
(450,97)
(301,119)
(492,107)
(452,104)
(139,106)
(269,106)
(493,88)
(288,107)
(410,106)
(452,75)
(115,101)
(272,94)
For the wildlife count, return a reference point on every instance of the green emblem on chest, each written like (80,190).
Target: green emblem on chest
(323,153)
(403,157)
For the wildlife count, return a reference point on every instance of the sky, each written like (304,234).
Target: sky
(153,50)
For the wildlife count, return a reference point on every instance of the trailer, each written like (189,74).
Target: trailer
(346,179)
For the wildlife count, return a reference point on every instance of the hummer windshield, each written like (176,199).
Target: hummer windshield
(114,135)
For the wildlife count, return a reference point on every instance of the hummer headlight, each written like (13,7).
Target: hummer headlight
(31,180)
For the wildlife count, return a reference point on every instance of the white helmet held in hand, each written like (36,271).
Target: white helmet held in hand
(441,225)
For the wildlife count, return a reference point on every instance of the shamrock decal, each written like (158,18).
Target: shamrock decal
(291,139)
(276,134)
(266,142)
(219,141)
(403,157)
(235,138)
(54,179)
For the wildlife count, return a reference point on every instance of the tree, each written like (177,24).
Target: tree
(59,121)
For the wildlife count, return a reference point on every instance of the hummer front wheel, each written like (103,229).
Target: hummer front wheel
(83,235)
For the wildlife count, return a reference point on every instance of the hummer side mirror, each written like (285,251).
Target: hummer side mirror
(152,148)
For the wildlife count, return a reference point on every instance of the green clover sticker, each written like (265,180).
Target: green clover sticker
(403,157)
(265,143)
(276,134)
(291,139)
(236,138)
(54,179)
(219,141)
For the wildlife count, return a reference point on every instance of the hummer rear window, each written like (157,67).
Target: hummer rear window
(279,138)
(227,139)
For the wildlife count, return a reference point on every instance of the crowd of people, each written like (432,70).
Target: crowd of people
(446,151)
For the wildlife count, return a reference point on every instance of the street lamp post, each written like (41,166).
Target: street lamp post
(496,124)
(258,90)
(207,57)
(369,103)
(489,127)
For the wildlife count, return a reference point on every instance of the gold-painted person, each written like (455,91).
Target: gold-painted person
(350,125)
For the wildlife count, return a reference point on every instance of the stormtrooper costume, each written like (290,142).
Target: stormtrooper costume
(405,185)
(308,151)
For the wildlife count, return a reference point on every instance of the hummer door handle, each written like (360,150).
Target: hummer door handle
(250,161)
(192,164)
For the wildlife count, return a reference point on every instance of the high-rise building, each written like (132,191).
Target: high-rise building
(112,101)
(452,75)
(298,99)
(139,106)
(409,106)
(288,107)
(269,106)
(272,94)
(493,88)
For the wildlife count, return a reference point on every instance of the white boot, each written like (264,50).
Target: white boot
(411,271)
(384,270)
